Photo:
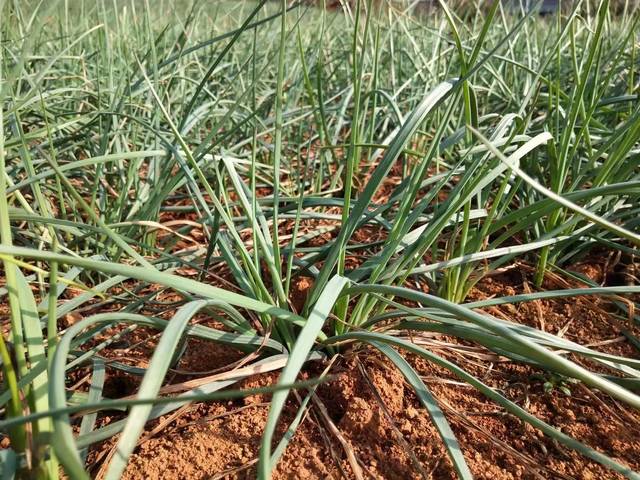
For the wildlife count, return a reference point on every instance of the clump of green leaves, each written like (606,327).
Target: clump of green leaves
(552,382)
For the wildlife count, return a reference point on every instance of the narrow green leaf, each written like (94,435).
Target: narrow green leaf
(431,404)
(299,354)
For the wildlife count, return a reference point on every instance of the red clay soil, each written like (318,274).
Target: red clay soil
(374,417)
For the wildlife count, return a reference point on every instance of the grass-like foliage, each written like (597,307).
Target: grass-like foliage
(221,151)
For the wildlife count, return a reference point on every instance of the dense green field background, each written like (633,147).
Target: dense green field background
(221,150)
